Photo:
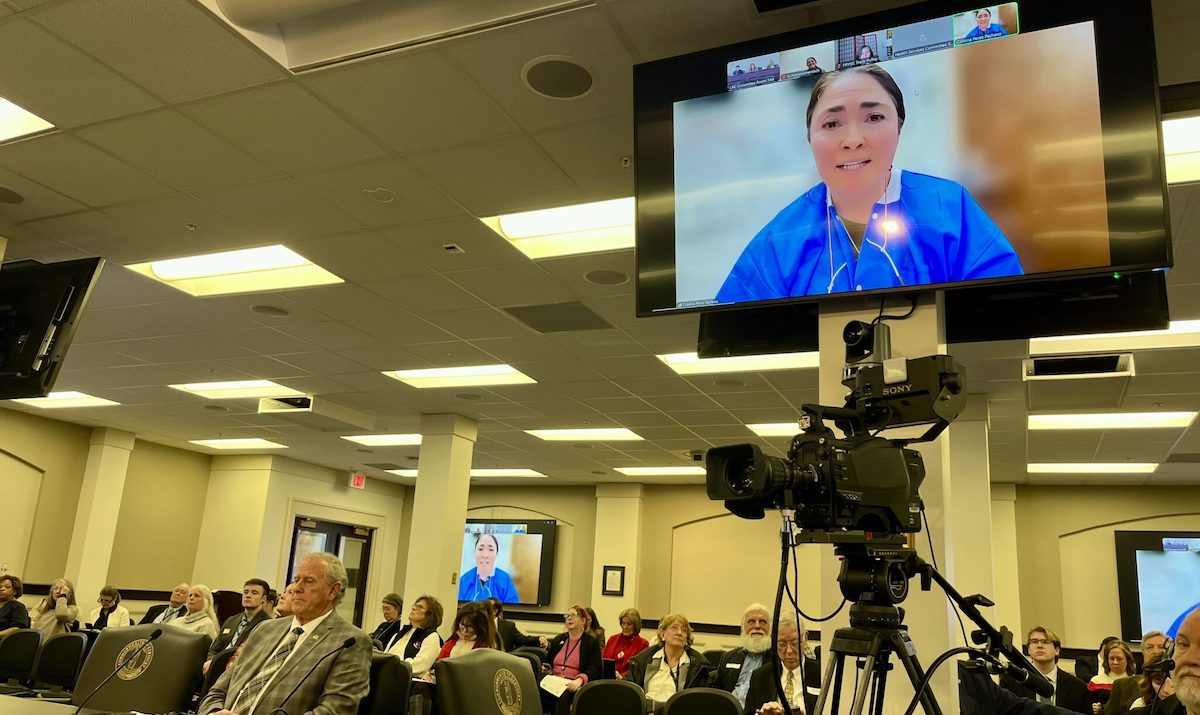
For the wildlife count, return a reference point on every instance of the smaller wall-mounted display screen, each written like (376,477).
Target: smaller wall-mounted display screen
(511,560)
(1158,576)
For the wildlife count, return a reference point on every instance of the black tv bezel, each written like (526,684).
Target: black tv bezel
(1127,544)
(549,534)
(1129,107)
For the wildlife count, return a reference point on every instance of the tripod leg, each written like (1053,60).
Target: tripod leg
(860,697)
(908,656)
(881,670)
(833,669)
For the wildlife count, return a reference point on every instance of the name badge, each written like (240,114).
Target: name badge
(227,631)
(735,666)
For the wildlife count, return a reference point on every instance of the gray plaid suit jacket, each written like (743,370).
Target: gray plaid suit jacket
(334,688)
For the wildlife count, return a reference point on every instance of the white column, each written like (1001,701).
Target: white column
(931,625)
(618,539)
(1004,558)
(231,531)
(3,246)
(96,515)
(439,513)
(972,536)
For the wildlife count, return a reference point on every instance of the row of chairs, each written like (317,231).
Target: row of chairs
(31,668)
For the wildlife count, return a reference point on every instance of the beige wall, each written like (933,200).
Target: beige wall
(158,528)
(1066,552)
(59,450)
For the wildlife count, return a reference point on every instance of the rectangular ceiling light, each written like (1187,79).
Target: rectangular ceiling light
(246,270)
(65,400)
(498,472)
(595,434)
(470,376)
(385,440)
(693,364)
(1112,420)
(17,122)
(680,471)
(235,389)
(244,443)
(568,230)
(1092,468)
(1181,144)
(1180,334)
(775,429)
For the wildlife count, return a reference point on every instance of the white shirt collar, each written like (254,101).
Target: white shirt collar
(890,196)
(311,626)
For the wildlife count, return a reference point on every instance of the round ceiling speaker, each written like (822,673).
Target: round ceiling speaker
(557,77)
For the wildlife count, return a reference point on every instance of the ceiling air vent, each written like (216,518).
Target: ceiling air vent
(1077,381)
(558,317)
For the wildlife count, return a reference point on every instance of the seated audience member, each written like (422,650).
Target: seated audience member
(1126,690)
(167,612)
(734,669)
(387,631)
(56,612)
(1153,687)
(1118,663)
(593,625)
(13,614)
(110,613)
(472,629)
(270,602)
(626,644)
(200,618)
(508,636)
(574,655)
(1044,649)
(419,642)
(762,696)
(300,664)
(1085,668)
(283,609)
(671,665)
(236,628)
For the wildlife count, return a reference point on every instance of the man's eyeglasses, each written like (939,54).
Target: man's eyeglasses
(789,645)
(1040,641)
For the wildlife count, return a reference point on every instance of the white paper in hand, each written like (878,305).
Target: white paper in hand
(554,684)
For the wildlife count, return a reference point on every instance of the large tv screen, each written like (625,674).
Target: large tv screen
(508,559)
(1158,580)
(937,145)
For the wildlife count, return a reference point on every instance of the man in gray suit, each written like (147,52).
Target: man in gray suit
(313,661)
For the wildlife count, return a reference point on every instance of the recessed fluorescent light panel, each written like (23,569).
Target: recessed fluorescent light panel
(385,440)
(1092,468)
(235,389)
(247,270)
(498,472)
(775,429)
(598,434)
(66,400)
(680,471)
(245,443)
(568,230)
(1181,144)
(1180,334)
(17,122)
(693,364)
(470,376)
(1113,420)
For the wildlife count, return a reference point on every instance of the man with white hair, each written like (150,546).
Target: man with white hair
(734,669)
(795,680)
(1186,675)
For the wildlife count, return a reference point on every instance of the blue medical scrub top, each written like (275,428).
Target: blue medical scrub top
(994,30)
(931,231)
(499,586)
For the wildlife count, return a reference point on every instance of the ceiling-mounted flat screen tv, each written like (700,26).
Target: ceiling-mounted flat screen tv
(936,145)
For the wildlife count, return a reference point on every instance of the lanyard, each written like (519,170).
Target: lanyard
(567,650)
(673,671)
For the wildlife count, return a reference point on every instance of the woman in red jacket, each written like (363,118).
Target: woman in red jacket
(472,629)
(628,643)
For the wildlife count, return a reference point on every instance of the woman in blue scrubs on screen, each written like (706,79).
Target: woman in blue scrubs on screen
(867,224)
(485,580)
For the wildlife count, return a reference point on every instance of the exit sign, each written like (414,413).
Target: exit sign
(358,480)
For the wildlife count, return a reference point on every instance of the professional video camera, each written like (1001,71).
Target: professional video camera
(860,482)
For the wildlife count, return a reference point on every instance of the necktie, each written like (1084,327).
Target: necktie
(1047,699)
(789,688)
(237,634)
(245,699)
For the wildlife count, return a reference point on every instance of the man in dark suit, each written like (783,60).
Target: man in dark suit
(167,612)
(800,680)
(1069,692)
(735,666)
(237,628)
(510,636)
(315,656)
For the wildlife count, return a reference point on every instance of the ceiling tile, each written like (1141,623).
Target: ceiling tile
(531,348)
(480,245)
(425,294)
(597,154)
(100,234)
(388,95)
(477,323)
(175,49)
(280,210)
(176,150)
(520,284)
(499,176)
(321,361)
(188,226)
(77,169)
(331,335)
(359,256)
(285,127)
(382,193)
(39,201)
(59,83)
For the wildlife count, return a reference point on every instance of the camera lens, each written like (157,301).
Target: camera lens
(739,475)
(855,332)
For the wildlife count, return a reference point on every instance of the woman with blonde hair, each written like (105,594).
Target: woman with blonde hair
(672,664)
(201,617)
(58,611)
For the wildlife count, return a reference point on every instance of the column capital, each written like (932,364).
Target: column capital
(1004,491)
(620,491)
(109,437)
(456,425)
